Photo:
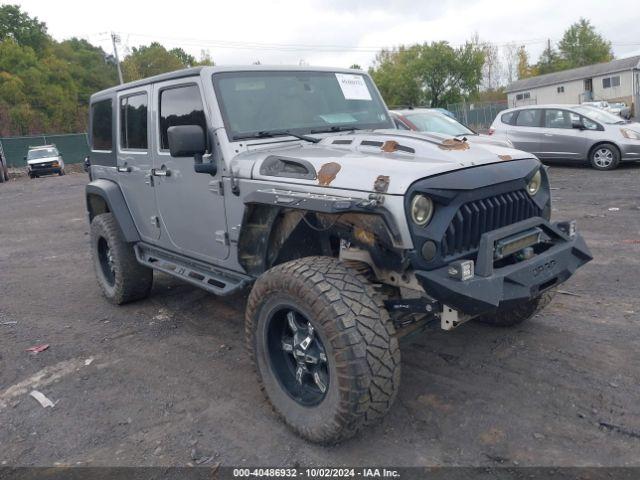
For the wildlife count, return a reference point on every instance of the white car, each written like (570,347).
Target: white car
(44,160)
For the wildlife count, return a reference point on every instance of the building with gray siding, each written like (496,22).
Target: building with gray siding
(615,81)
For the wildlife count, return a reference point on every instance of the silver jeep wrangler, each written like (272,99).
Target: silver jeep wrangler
(292,181)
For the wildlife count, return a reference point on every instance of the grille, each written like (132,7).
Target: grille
(480,216)
(42,165)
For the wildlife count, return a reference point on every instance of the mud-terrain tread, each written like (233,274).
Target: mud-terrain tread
(133,281)
(369,378)
(517,315)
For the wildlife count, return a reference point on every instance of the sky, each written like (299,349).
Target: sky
(335,33)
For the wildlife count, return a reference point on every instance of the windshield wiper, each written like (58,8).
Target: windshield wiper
(279,133)
(335,128)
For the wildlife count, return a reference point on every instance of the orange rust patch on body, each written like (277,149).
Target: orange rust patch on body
(505,157)
(328,173)
(381,184)
(454,144)
(389,146)
(364,236)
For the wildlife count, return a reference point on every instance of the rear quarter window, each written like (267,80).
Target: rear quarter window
(101,134)
(529,118)
(508,118)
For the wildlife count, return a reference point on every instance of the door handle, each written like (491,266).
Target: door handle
(548,134)
(124,169)
(160,172)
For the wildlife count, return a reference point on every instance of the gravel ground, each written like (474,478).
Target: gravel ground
(166,381)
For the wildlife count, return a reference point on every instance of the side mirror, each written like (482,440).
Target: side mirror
(577,124)
(190,141)
(186,141)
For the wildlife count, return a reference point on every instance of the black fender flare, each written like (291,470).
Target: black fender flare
(110,192)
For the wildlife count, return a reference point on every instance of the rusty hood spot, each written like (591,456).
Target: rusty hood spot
(381,184)
(505,157)
(389,146)
(328,173)
(454,144)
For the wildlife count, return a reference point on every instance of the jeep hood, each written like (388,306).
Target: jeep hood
(361,161)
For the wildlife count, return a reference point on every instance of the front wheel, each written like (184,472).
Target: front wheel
(509,317)
(323,347)
(605,156)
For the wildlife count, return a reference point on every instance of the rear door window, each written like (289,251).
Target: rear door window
(529,118)
(133,122)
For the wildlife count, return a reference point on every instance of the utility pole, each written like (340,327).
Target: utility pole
(115,39)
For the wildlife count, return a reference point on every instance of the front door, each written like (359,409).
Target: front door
(190,204)
(134,161)
(559,139)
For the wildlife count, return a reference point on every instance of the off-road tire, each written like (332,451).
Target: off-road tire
(509,317)
(61,173)
(599,149)
(132,281)
(362,349)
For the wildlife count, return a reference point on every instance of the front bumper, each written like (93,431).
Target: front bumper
(491,287)
(44,171)
(630,149)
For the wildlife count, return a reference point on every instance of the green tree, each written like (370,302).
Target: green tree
(395,75)
(185,58)
(432,74)
(581,45)
(26,31)
(550,61)
(149,60)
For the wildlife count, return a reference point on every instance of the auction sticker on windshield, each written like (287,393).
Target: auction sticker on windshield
(353,86)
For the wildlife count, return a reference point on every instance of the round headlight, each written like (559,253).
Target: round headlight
(421,209)
(534,184)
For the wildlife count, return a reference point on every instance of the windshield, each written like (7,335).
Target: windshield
(599,115)
(42,153)
(438,123)
(256,103)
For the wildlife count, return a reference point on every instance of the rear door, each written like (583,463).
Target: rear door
(559,139)
(526,131)
(190,204)
(134,161)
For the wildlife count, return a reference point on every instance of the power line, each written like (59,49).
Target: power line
(295,47)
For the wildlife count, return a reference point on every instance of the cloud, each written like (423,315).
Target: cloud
(332,32)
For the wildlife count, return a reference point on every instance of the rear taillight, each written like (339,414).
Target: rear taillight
(491,130)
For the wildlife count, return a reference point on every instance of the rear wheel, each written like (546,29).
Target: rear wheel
(120,276)
(509,317)
(605,156)
(323,347)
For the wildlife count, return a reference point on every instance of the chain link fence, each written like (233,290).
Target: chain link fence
(73,147)
(479,115)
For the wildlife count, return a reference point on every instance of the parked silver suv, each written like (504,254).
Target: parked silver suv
(352,234)
(570,132)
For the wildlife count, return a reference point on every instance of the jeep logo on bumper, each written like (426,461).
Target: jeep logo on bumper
(550,265)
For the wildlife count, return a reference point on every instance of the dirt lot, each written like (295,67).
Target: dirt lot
(169,381)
